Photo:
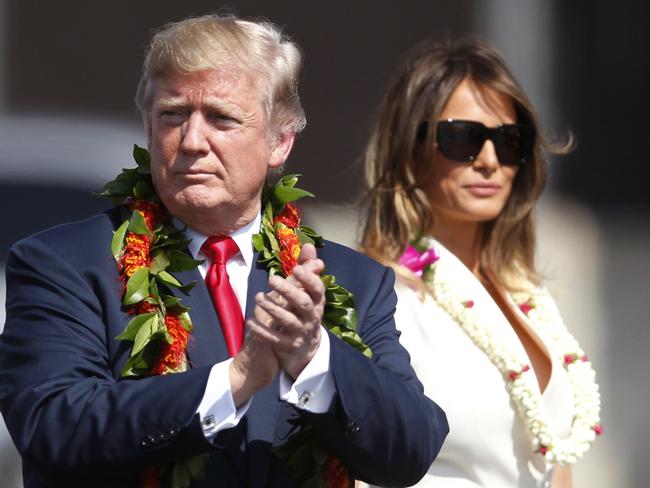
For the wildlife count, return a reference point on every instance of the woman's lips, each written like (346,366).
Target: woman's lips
(483,189)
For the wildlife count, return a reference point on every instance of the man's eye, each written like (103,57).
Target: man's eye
(172,115)
(221,118)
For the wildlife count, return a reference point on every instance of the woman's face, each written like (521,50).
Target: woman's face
(474,191)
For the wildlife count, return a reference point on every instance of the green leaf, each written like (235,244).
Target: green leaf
(137,288)
(116,188)
(145,334)
(196,465)
(138,225)
(313,235)
(186,288)
(304,238)
(140,364)
(289,181)
(272,240)
(181,477)
(186,321)
(285,194)
(117,244)
(159,262)
(174,304)
(181,261)
(258,242)
(168,279)
(142,190)
(133,326)
(141,157)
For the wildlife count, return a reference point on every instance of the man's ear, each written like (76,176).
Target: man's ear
(281,147)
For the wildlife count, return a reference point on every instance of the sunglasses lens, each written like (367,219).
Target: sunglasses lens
(460,140)
(514,143)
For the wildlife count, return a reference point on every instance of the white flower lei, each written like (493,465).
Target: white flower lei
(586,423)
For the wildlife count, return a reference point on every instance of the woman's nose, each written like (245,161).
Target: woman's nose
(487,159)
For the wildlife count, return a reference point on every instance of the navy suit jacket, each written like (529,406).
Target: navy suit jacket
(77,423)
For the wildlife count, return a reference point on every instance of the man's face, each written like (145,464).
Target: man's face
(211,147)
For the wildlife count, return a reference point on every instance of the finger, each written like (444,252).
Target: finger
(313,266)
(258,330)
(280,315)
(310,283)
(299,301)
(261,315)
(278,340)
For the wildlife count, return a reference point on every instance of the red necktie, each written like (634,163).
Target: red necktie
(220,250)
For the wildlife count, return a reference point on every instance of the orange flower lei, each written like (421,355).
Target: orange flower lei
(146,249)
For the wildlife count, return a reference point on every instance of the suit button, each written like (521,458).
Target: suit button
(353,427)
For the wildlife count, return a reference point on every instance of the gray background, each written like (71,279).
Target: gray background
(68,72)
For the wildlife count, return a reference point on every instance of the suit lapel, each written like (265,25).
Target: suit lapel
(207,344)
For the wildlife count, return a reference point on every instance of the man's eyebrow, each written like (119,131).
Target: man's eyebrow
(214,103)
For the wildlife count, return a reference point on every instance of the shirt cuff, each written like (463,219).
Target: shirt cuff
(314,388)
(217,408)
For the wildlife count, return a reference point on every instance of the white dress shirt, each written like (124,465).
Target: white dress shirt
(314,388)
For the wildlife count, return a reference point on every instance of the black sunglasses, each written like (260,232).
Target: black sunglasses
(462,140)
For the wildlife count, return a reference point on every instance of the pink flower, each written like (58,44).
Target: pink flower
(417,261)
(468,303)
(598,429)
(513,375)
(569,358)
(526,307)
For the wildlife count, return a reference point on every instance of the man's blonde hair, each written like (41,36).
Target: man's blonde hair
(226,42)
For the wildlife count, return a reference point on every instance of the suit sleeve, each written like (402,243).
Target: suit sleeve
(67,413)
(381,425)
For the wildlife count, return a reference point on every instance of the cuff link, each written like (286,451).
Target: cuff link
(304,399)
(208,423)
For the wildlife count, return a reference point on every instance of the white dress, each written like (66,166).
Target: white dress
(488,444)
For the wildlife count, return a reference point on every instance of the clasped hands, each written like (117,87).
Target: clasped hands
(284,333)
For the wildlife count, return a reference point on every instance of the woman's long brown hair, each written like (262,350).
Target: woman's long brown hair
(398,205)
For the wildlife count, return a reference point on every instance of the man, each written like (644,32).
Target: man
(219,100)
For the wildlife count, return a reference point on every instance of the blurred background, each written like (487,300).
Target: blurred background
(68,72)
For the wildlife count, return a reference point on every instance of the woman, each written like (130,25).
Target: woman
(455,165)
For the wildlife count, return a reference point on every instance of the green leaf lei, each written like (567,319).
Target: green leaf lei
(148,249)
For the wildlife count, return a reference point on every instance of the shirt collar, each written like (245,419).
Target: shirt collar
(243,237)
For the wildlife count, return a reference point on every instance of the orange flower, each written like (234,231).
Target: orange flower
(172,355)
(289,248)
(336,474)
(289,216)
(142,307)
(149,210)
(136,253)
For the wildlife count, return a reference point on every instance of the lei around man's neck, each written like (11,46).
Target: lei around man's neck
(148,249)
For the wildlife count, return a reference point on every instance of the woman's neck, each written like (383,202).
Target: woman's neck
(463,240)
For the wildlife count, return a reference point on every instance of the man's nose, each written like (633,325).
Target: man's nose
(194,135)
(487,159)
